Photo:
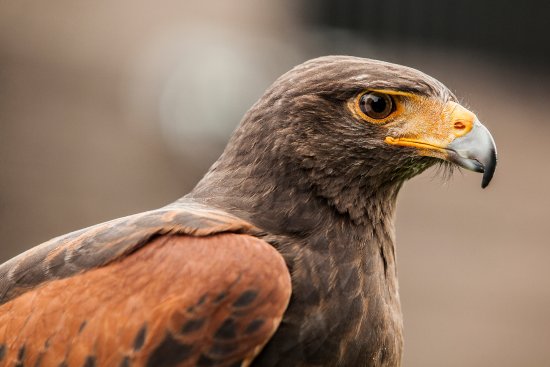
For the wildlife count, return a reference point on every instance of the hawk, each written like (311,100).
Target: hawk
(282,255)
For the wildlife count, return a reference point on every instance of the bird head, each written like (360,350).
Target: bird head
(347,132)
(353,117)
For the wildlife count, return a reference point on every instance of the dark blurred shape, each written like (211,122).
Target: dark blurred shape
(515,31)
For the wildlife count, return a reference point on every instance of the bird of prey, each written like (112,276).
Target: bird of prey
(282,255)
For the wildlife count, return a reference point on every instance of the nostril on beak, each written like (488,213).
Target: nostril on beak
(459,125)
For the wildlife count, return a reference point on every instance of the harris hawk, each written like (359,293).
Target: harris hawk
(282,255)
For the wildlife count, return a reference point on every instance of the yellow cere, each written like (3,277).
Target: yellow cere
(461,119)
(430,125)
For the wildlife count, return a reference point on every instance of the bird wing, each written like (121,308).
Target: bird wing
(179,286)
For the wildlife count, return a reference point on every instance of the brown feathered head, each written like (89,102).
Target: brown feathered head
(346,127)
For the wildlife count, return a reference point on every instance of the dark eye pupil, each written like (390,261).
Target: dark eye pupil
(376,105)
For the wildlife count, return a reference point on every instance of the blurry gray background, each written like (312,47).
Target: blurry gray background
(108,108)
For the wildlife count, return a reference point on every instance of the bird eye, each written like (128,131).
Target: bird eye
(376,105)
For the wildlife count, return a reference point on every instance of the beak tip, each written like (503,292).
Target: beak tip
(489,170)
(487,177)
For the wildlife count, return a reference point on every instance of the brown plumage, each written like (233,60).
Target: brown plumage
(283,255)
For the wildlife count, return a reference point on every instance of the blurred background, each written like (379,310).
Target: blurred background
(108,108)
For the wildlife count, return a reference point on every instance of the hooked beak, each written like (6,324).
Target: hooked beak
(457,137)
(475,151)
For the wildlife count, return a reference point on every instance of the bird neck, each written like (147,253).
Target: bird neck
(285,201)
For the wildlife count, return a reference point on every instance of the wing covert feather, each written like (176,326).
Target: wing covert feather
(179,301)
(101,244)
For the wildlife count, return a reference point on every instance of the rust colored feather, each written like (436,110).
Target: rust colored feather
(179,301)
(98,245)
